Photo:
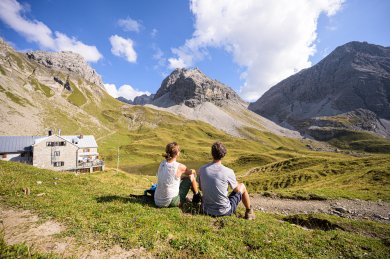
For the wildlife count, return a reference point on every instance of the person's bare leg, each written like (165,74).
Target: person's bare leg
(245,195)
(249,214)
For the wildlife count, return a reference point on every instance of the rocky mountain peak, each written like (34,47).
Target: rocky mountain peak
(68,62)
(355,75)
(357,47)
(192,87)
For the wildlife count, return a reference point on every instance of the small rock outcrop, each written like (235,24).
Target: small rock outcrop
(67,61)
(192,87)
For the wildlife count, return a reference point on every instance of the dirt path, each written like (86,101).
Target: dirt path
(106,136)
(22,226)
(353,209)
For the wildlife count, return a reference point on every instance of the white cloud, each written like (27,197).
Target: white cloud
(270,39)
(90,53)
(111,90)
(129,24)
(122,47)
(126,91)
(38,32)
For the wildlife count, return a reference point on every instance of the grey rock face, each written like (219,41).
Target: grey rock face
(124,100)
(143,99)
(355,75)
(192,87)
(138,100)
(66,61)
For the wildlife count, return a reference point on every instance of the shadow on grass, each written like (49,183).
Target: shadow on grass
(132,198)
(187,208)
(311,222)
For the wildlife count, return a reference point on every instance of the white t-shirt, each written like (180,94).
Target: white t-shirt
(167,183)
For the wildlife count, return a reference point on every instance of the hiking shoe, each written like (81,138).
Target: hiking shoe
(197,198)
(250,214)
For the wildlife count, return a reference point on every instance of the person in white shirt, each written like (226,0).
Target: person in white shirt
(174,180)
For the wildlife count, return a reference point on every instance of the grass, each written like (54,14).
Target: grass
(97,207)
(328,177)
(17,59)
(2,71)
(76,97)
(15,98)
(361,141)
(58,119)
(42,87)
(355,140)
(20,251)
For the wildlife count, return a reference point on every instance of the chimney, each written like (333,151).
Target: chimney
(59,132)
(50,132)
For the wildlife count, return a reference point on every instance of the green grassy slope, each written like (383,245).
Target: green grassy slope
(264,161)
(97,207)
(279,164)
(352,139)
(324,177)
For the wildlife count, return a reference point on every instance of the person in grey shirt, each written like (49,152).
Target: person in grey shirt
(214,179)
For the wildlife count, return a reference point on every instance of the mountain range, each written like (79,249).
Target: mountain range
(347,91)
(353,79)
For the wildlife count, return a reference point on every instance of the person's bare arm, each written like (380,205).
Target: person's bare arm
(186,171)
(190,172)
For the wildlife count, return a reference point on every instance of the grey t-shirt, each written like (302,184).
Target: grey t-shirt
(213,180)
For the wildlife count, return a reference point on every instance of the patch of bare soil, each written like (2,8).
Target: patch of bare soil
(22,226)
(352,209)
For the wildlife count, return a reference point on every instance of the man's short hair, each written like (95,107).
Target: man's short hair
(218,150)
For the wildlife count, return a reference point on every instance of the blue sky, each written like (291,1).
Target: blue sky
(249,45)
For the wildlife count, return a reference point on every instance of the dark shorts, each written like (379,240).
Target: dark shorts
(234,198)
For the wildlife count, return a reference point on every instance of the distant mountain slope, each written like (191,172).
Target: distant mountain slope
(138,100)
(355,75)
(190,93)
(41,90)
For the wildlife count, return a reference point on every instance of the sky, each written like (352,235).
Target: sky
(249,45)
